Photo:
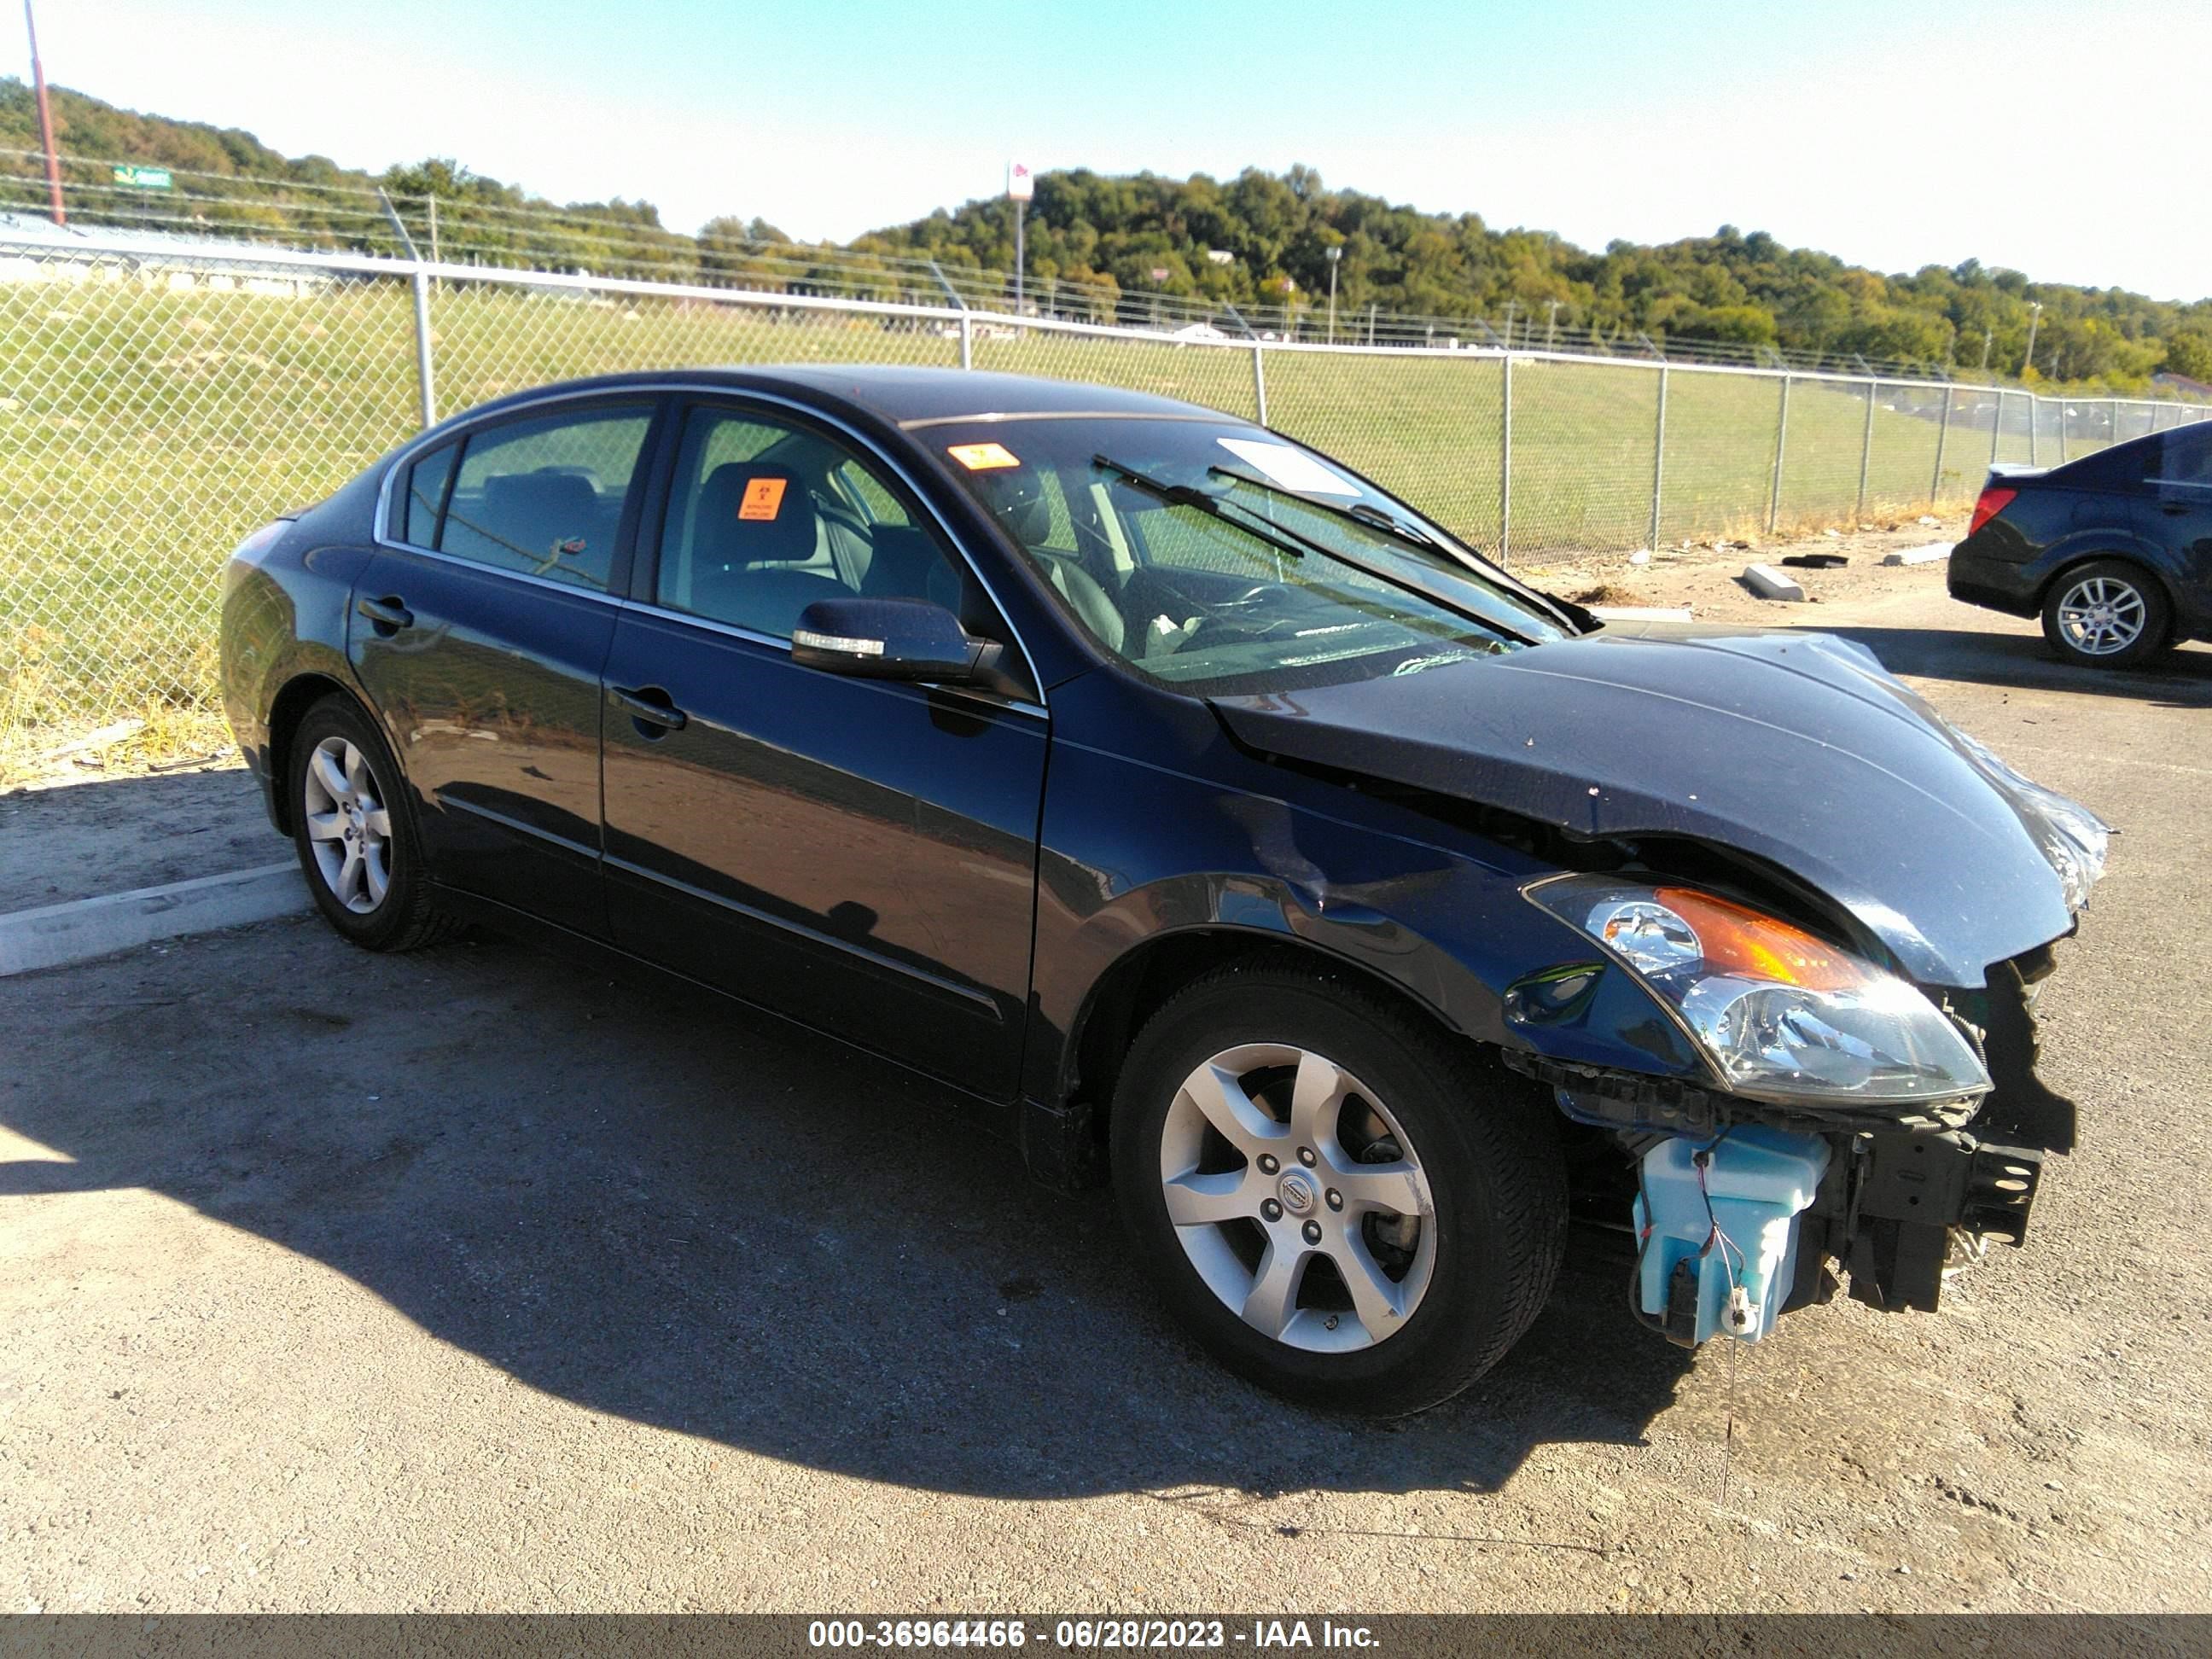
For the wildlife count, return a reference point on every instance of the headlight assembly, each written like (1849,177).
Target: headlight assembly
(1784,1016)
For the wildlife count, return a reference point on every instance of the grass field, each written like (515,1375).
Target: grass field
(144,432)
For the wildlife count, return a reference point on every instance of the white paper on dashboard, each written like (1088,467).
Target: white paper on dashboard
(1294,469)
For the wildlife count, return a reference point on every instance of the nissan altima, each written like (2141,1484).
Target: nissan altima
(1207,820)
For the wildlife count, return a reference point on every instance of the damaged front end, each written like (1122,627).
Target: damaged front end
(1802,919)
(1858,1123)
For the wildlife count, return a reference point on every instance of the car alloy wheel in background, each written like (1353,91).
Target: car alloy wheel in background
(2101,616)
(2105,614)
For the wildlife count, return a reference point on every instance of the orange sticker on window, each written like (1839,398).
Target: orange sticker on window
(763,498)
(982,457)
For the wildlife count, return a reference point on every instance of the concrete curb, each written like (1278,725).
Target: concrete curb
(1927,555)
(1641,612)
(1771,584)
(60,934)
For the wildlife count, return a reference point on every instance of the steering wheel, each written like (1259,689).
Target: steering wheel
(1243,618)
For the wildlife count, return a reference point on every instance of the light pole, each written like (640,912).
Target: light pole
(1334,255)
(45,120)
(1021,185)
(2034,316)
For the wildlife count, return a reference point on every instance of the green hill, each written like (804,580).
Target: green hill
(1259,241)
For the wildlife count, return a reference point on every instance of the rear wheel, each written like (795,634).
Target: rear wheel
(354,837)
(2106,614)
(1343,1205)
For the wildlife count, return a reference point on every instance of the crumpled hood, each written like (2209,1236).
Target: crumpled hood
(1799,747)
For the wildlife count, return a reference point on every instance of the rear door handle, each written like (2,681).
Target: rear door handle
(651,706)
(2174,508)
(389,615)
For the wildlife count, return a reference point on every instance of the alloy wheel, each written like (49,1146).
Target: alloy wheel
(1298,1198)
(348,825)
(2102,616)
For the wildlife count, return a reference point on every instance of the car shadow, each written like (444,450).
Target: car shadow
(648,1201)
(2179,680)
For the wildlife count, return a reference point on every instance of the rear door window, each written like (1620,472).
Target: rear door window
(415,516)
(544,495)
(2185,458)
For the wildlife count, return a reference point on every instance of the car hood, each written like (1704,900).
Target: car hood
(1800,749)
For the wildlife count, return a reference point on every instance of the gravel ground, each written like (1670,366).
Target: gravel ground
(474,1279)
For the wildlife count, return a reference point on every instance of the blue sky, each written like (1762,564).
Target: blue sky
(2029,134)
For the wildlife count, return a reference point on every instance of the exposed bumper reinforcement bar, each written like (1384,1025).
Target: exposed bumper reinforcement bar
(1912,1191)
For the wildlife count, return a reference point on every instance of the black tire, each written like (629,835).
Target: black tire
(2122,578)
(1486,1141)
(407,916)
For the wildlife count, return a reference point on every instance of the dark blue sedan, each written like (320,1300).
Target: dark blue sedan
(2113,551)
(1207,820)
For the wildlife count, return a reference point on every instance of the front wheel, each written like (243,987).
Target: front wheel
(1344,1206)
(2108,614)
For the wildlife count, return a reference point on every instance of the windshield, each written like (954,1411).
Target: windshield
(1215,554)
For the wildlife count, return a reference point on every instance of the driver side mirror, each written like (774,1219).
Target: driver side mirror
(887,640)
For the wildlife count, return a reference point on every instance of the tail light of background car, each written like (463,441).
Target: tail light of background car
(1994,500)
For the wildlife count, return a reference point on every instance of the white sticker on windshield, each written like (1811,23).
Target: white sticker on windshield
(1294,469)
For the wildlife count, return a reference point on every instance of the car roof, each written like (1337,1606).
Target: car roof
(902,395)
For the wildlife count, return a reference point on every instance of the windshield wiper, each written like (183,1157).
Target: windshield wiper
(1175,495)
(1366,515)
(1283,537)
(1371,516)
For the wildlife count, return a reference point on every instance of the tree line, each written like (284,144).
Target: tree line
(1262,242)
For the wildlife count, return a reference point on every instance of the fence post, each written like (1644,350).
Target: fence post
(1942,439)
(1781,447)
(1258,382)
(423,381)
(2034,432)
(1997,428)
(1658,456)
(2062,431)
(1505,465)
(967,327)
(1866,448)
(423,374)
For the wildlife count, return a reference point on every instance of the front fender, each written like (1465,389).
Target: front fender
(1133,855)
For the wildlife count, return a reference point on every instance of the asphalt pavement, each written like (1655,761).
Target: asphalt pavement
(474,1279)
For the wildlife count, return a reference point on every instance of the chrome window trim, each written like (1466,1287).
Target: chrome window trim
(423,442)
(1006,417)
(598,594)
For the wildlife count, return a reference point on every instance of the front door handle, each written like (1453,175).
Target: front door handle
(389,614)
(2174,509)
(649,705)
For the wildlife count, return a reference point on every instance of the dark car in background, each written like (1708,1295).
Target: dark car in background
(2112,551)
(1207,819)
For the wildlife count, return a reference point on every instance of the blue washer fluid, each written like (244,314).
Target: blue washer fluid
(1759,1180)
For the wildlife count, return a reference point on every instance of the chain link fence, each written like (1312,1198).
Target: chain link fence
(156,408)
